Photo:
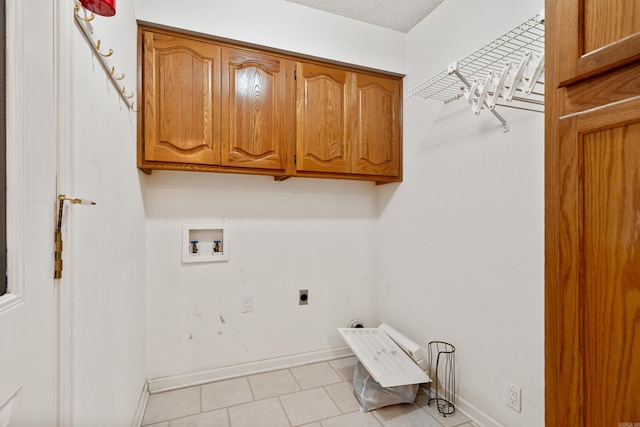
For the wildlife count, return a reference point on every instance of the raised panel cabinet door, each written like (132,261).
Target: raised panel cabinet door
(181,100)
(375,148)
(323,134)
(592,213)
(254,109)
(599,267)
(594,36)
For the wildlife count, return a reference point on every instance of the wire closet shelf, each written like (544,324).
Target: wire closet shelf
(526,40)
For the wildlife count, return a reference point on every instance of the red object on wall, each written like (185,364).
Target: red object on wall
(100,7)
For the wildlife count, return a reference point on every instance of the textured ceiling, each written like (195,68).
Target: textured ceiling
(399,15)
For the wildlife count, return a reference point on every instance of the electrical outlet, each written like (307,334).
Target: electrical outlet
(513,396)
(304,297)
(247,304)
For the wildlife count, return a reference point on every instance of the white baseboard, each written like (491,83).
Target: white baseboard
(227,372)
(478,417)
(142,406)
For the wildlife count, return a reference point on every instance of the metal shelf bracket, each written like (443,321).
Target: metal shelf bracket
(472,89)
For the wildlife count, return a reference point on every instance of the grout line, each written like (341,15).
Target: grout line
(324,387)
(286,414)
(374,413)
(295,379)
(353,412)
(334,370)
(376,418)
(253,395)
(431,415)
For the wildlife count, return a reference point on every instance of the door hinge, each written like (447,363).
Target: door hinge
(57,258)
(57,273)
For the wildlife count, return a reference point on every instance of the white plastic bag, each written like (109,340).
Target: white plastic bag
(372,395)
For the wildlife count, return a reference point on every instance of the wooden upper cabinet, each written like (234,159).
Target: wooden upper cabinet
(596,36)
(323,133)
(181,109)
(211,105)
(254,109)
(376,125)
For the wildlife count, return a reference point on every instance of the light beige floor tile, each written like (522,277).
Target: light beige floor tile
(354,419)
(450,420)
(226,393)
(342,394)
(317,395)
(272,384)
(405,415)
(267,412)
(217,418)
(308,406)
(345,367)
(458,418)
(315,375)
(422,399)
(172,404)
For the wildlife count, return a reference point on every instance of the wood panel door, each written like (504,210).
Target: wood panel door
(597,36)
(375,137)
(599,367)
(181,100)
(592,210)
(254,109)
(323,131)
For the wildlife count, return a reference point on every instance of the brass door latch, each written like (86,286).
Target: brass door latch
(57,274)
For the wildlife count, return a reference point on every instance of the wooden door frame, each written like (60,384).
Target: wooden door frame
(552,217)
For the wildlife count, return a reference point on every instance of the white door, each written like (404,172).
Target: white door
(27,312)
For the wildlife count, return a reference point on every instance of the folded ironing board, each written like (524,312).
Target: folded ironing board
(384,357)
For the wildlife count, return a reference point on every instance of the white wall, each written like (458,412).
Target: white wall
(108,242)
(283,25)
(285,236)
(461,239)
(455,252)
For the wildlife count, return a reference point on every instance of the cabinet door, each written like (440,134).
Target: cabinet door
(599,368)
(181,100)
(322,119)
(596,36)
(254,109)
(376,129)
(592,211)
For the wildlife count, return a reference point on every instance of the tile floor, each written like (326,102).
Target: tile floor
(316,395)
